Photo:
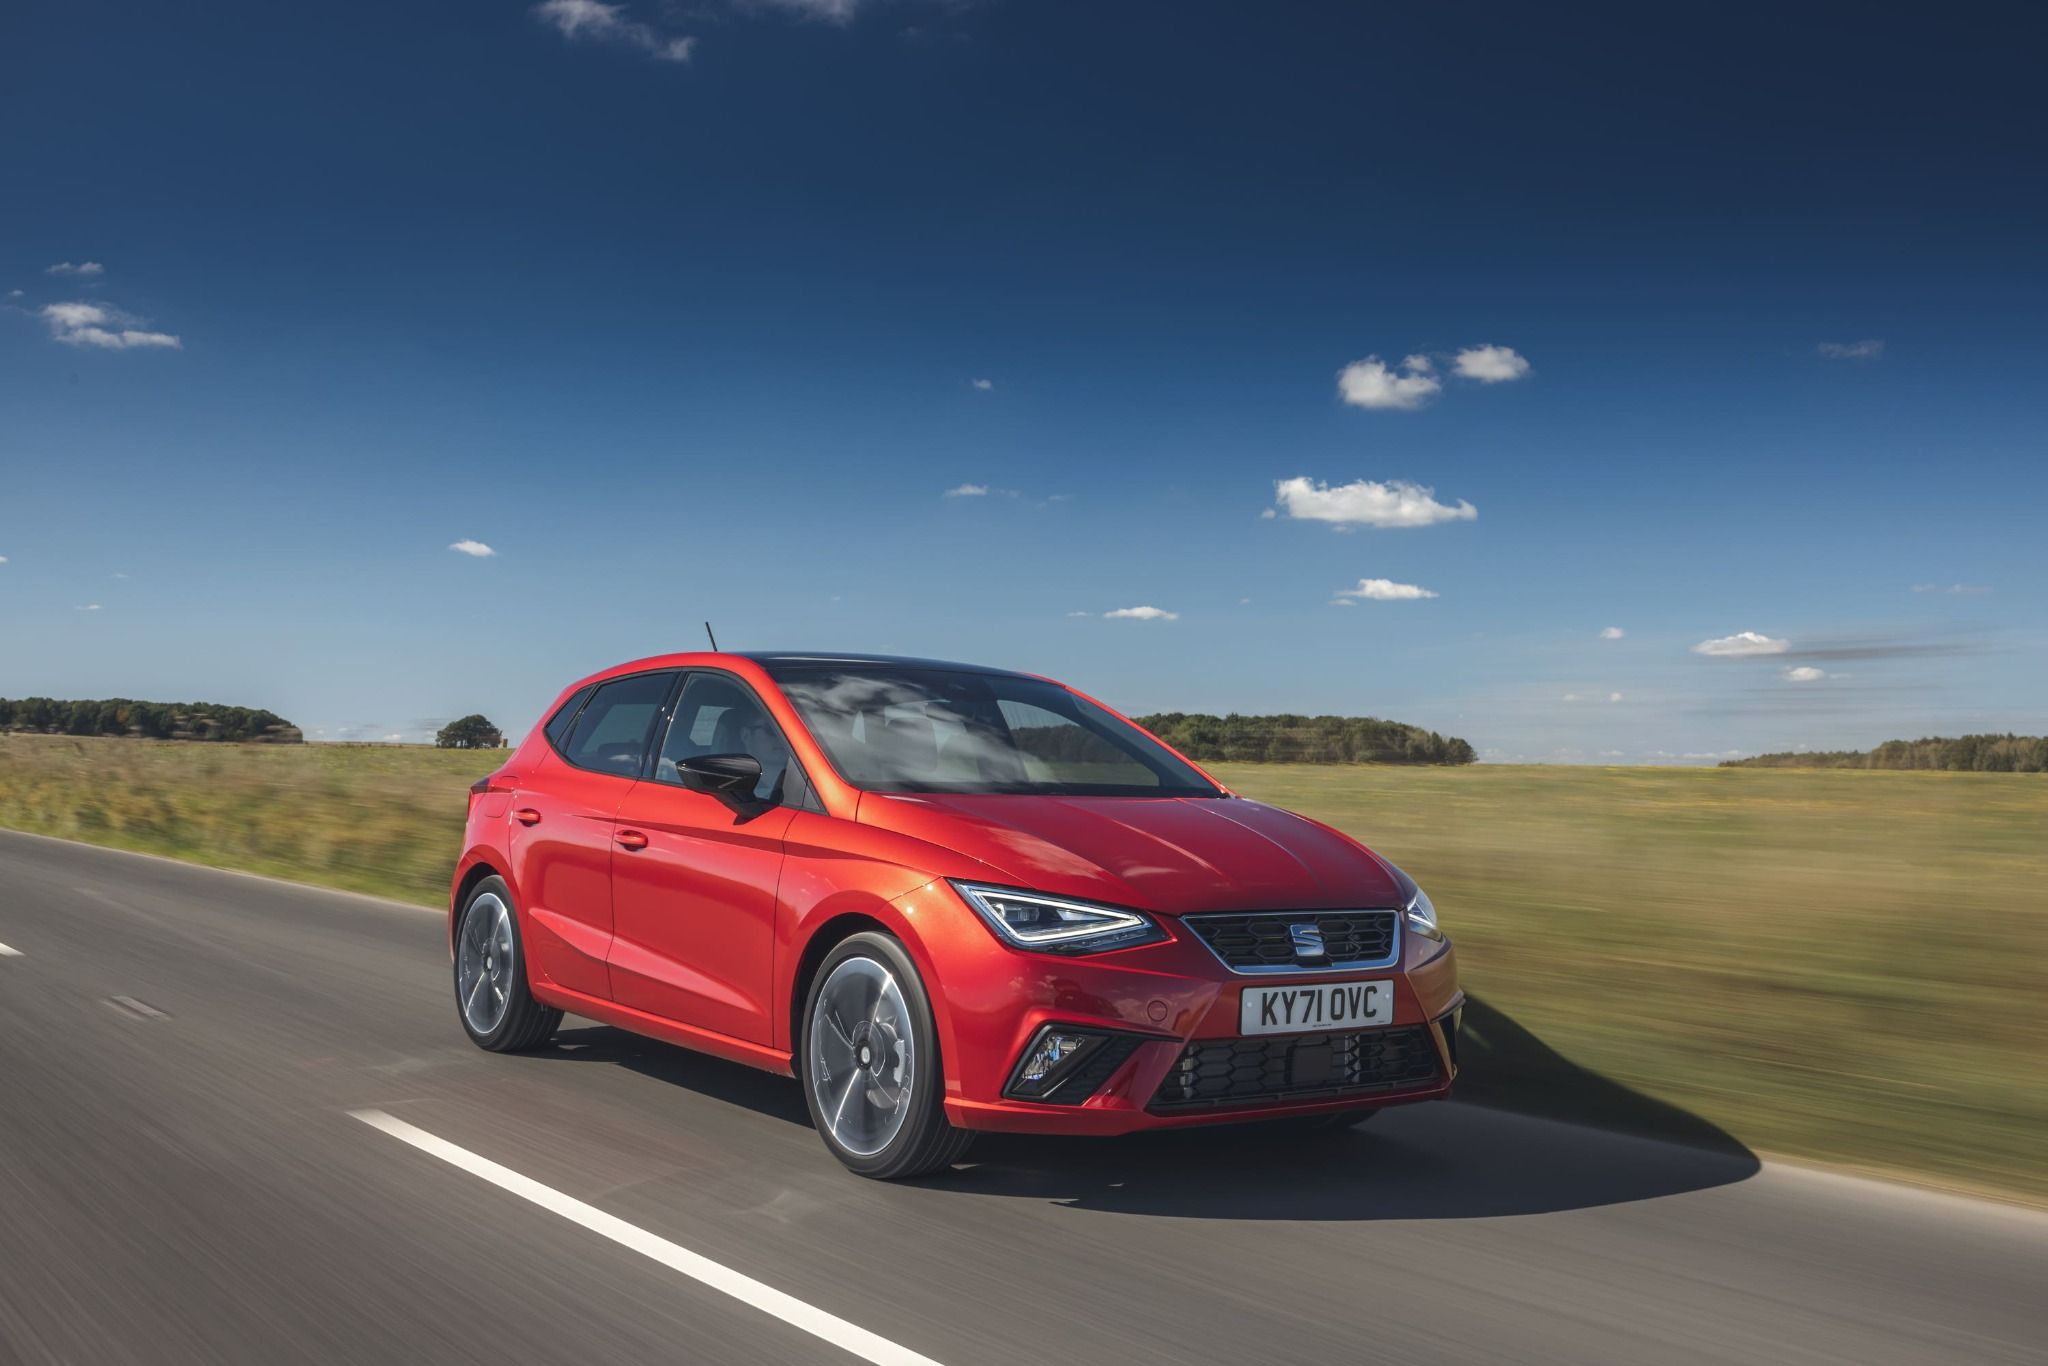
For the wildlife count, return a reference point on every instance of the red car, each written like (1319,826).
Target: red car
(948,899)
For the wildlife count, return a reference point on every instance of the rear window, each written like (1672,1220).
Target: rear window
(611,733)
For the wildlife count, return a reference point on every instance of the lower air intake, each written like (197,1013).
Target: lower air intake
(1220,1072)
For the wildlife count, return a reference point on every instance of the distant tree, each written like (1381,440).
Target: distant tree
(1964,754)
(471,732)
(150,720)
(1305,739)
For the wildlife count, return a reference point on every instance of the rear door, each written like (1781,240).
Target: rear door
(694,880)
(562,828)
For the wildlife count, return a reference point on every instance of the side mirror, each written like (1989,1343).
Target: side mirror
(731,778)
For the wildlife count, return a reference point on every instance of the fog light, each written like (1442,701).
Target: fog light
(1053,1049)
(1064,1065)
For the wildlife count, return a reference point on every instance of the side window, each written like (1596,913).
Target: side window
(611,734)
(718,716)
(558,725)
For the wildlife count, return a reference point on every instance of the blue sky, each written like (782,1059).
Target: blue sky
(1727,327)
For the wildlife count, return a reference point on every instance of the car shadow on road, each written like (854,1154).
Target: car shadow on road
(730,1082)
(1532,1133)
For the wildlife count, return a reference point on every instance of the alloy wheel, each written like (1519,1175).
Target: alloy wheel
(863,1057)
(485,963)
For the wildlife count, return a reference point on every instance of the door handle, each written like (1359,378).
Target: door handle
(631,839)
(526,815)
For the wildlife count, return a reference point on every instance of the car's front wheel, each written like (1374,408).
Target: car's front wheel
(491,996)
(869,1060)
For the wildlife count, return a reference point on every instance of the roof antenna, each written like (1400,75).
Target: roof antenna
(714,639)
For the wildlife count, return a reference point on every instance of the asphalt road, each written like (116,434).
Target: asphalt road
(184,1178)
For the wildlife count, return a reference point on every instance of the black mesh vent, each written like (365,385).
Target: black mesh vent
(1267,939)
(1216,1072)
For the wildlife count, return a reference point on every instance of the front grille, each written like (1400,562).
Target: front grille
(1218,1072)
(1266,941)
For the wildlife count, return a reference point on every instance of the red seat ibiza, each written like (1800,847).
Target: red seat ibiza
(948,899)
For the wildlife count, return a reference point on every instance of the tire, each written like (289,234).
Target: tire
(492,999)
(868,1041)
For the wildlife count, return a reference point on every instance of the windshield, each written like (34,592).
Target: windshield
(890,729)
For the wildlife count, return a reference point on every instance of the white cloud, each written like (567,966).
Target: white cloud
(1384,590)
(85,268)
(1490,364)
(83,324)
(983,384)
(1080,614)
(1868,349)
(1614,697)
(966,491)
(1141,614)
(3,559)
(1369,383)
(13,294)
(1612,633)
(1742,644)
(476,548)
(89,607)
(1805,673)
(1366,502)
(591,19)
(1958,589)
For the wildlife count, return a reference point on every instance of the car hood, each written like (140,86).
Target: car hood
(1170,855)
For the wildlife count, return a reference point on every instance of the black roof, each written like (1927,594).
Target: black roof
(769,659)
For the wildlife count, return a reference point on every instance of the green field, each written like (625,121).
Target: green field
(1834,965)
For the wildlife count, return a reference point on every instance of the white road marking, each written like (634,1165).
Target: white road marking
(135,1007)
(766,1298)
(6,952)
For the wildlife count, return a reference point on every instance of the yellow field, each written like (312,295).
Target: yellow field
(1837,965)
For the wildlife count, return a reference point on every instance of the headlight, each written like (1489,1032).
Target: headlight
(1053,924)
(1422,916)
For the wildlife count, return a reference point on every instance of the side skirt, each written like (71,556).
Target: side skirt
(668,1031)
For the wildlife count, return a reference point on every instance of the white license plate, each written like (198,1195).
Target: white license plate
(1303,1010)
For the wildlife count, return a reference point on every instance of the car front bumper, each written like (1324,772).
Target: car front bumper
(1178,1005)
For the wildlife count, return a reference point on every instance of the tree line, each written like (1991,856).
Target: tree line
(147,720)
(1963,754)
(1290,739)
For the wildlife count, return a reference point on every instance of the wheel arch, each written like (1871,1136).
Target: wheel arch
(479,868)
(832,931)
(826,931)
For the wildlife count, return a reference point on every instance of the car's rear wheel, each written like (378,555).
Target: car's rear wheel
(869,1061)
(497,1010)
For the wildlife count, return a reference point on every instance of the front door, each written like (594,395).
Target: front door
(694,879)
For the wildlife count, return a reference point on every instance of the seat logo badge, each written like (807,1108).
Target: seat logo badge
(1308,939)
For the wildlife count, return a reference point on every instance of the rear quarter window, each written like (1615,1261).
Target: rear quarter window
(610,734)
(562,720)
